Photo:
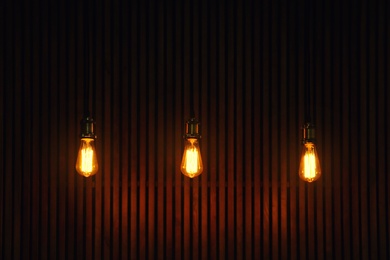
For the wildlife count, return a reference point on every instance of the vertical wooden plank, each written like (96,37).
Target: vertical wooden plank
(355,189)
(89,191)
(239,146)
(81,73)
(378,104)
(134,127)
(387,130)
(72,118)
(213,134)
(317,75)
(320,63)
(363,122)
(75,103)
(156,225)
(125,122)
(344,134)
(274,137)
(116,53)
(107,122)
(247,160)
(12,108)
(53,170)
(291,172)
(44,130)
(380,128)
(204,68)
(152,117)
(27,111)
(115,110)
(336,132)
(2,128)
(195,193)
(248,131)
(35,198)
(17,142)
(230,78)
(171,138)
(8,133)
(221,51)
(266,169)
(372,173)
(327,127)
(301,202)
(307,188)
(308,197)
(88,216)
(187,183)
(98,45)
(294,134)
(256,87)
(353,147)
(142,126)
(134,64)
(89,186)
(283,154)
(62,103)
(311,188)
(62,131)
(194,81)
(311,205)
(3,138)
(79,180)
(41,122)
(178,126)
(160,161)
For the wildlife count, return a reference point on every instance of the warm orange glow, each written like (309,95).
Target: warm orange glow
(86,163)
(309,168)
(191,164)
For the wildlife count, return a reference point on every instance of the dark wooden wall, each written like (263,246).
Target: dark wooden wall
(245,61)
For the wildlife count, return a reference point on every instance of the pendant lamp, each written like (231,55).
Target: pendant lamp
(87,163)
(309,167)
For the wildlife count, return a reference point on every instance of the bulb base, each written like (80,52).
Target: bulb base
(87,127)
(192,129)
(308,133)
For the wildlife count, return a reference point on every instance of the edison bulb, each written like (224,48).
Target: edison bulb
(87,164)
(191,164)
(309,168)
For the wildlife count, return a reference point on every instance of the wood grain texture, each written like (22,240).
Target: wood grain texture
(245,60)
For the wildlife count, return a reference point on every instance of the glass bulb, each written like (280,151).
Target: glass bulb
(87,164)
(309,168)
(191,164)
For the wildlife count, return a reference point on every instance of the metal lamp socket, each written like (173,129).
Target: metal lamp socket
(192,129)
(308,132)
(87,127)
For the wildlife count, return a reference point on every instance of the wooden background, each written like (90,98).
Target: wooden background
(245,61)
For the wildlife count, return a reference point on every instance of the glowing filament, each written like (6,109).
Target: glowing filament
(192,160)
(87,160)
(309,168)
(191,164)
(310,165)
(87,164)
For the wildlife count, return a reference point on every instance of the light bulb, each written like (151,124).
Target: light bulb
(191,164)
(309,168)
(87,164)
